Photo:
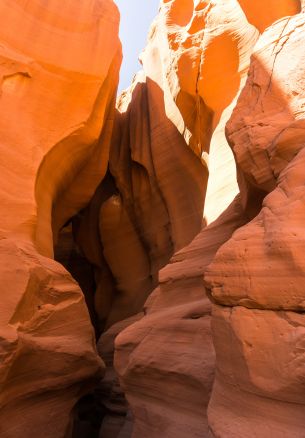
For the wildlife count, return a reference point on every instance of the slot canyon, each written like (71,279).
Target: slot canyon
(151,240)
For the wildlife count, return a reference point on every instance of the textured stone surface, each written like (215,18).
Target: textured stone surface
(117,422)
(156,378)
(166,360)
(266,134)
(47,347)
(58,77)
(259,273)
(54,135)
(151,203)
(136,215)
(149,179)
(261,14)
(259,382)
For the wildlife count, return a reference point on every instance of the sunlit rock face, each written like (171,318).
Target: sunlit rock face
(261,13)
(59,73)
(150,205)
(198,51)
(54,135)
(169,387)
(136,178)
(198,55)
(256,280)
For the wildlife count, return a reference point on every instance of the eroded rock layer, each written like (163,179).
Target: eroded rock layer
(59,72)
(166,360)
(151,203)
(144,166)
(165,386)
(257,277)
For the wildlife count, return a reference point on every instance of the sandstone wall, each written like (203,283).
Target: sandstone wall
(256,279)
(58,77)
(135,176)
(166,360)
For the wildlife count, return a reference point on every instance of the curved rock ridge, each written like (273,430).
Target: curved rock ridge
(257,277)
(151,203)
(266,134)
(198,58)
(166,360)
(76,53)
(165,386)
(135,175)
(58,78)
(148,206)
(47,346)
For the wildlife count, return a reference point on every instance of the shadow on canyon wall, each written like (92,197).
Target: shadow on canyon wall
(159,185)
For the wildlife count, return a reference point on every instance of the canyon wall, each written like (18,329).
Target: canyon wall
(129,181)
(150,204)
(256,279)
(165,361)
(59,73)
(143,211)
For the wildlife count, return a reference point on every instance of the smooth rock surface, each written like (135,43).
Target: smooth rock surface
(58,77)
(166,360)
(164,403)
(150,204)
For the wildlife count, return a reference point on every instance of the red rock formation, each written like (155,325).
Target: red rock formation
(59,73)
(148,179)
(256,279)
(151,205)
(166,360)
(159,382)
(141,220)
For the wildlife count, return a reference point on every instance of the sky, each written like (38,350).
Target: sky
(136,18)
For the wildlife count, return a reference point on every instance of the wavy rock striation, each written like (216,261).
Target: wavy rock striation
(169,387)
(151,203)
(58,77)
(135,177)
(166,360)
(256,279)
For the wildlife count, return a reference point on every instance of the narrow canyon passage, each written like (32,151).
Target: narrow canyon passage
(151,237)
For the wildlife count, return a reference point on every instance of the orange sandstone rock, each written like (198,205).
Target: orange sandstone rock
(266,132)
(166,360)
(261,14)
(54,135)
(151,204)
(58,78)
(157,380)
(257,277)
